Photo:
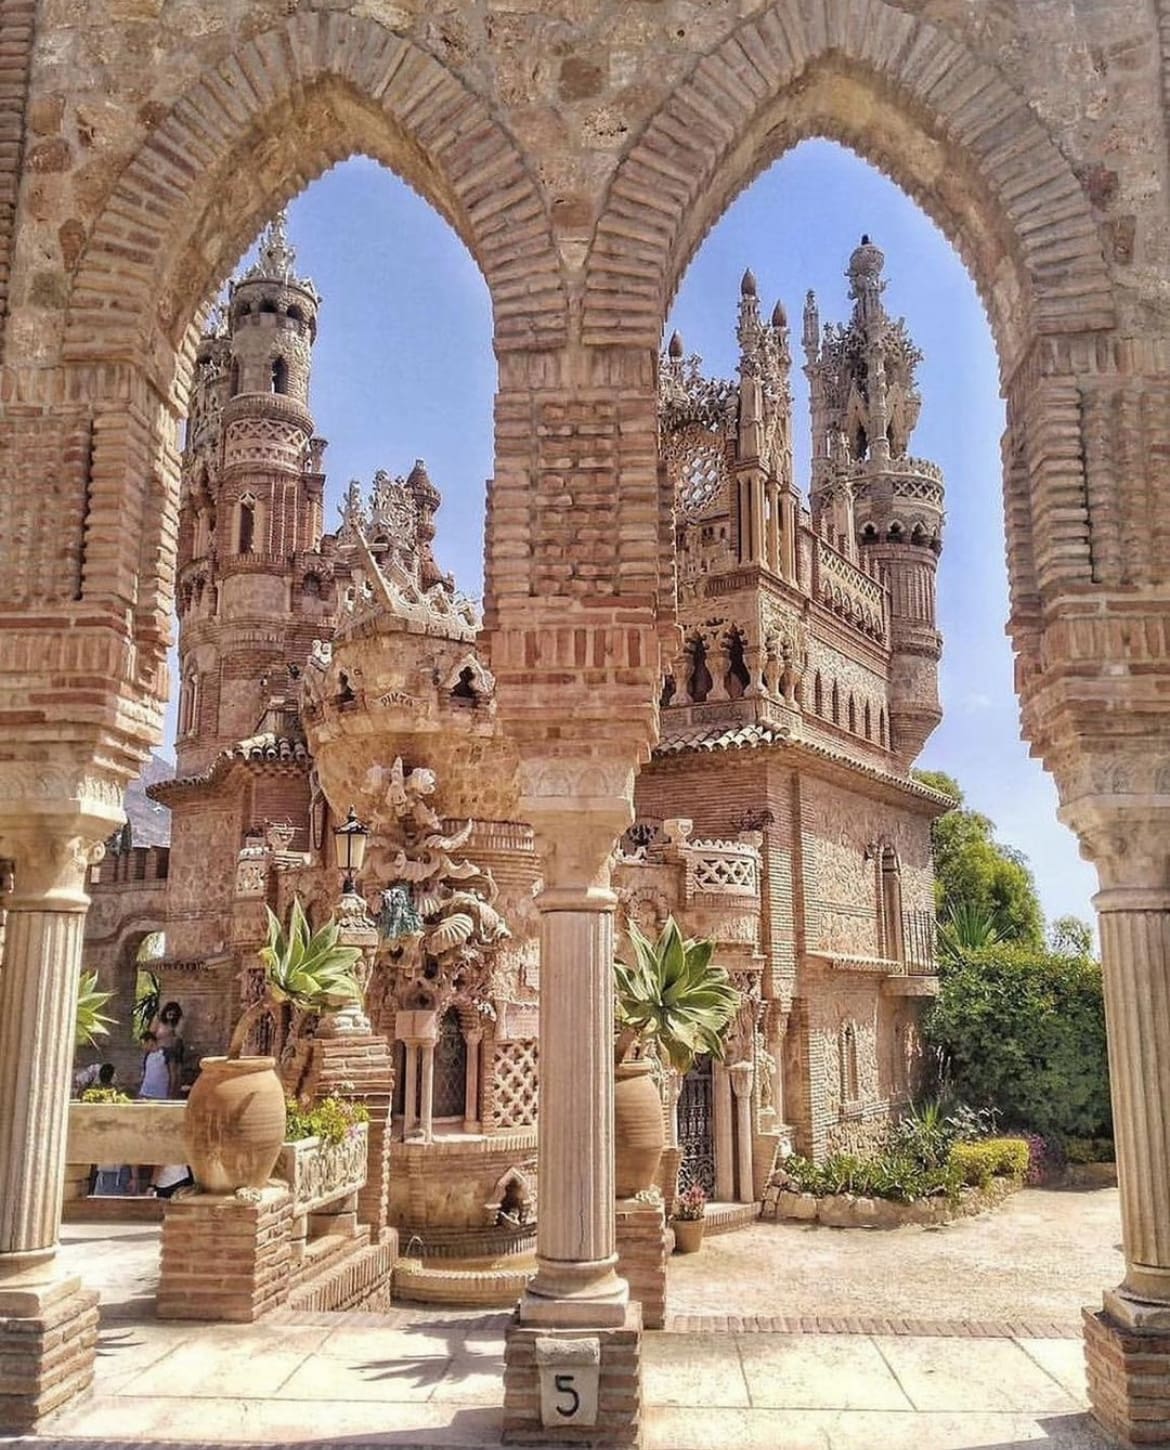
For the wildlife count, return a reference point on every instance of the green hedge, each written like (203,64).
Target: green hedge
(978,1163)
(1023,1031)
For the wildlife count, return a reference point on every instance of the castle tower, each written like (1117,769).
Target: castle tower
(876,503)
(251,583)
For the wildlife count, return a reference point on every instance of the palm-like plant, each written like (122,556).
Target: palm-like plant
(967,927)
(307,969)
(90,1022)
(672,997)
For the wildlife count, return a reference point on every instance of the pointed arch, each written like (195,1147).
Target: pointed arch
(939,120)
(308,93)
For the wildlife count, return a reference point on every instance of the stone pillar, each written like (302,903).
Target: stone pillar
(471,1116)
(1127,1343)
(741,1082)
(576,1291)
(427,1102)
(772,492)
(48,1322)
(724,1135)
(410,1089)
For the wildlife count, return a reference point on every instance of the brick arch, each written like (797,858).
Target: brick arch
(911,100)
(255,129)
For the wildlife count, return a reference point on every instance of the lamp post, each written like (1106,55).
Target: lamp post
(350,843)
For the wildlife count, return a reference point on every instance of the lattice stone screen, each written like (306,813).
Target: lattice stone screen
(514,1070)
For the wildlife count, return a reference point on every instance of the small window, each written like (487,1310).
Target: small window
(279,375)
(247,526)
(295,314)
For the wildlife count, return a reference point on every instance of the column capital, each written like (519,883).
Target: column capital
(1127,838)
(578,807)
(54,818)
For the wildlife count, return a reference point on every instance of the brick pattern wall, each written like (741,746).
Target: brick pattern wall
(619,1410)
(1129,1380)
(46,1355)
(642,1249)
(223,1258)
(17,31)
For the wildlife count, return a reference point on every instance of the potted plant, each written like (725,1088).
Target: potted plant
(235,1119)
(690,1216)
(672,1004)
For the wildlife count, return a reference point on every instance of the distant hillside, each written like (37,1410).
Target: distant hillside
(150,822)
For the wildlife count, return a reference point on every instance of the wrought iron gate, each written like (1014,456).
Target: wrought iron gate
(696,1127)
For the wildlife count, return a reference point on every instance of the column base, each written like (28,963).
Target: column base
(642,1254)
(617,1421)
(225,1258)
(48,1340)
(575,1291)
(1127,1356)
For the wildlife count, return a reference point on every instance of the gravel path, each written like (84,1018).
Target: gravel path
(1042,1255)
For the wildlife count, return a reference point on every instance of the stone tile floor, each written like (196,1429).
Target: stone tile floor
(421,1378)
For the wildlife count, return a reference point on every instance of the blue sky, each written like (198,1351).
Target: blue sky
(403,369)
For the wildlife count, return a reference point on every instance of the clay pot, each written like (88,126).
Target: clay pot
(638,1129)
(688,1235)
(234,1124)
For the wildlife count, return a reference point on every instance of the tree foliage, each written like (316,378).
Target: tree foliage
(976,874)
(1022,1030)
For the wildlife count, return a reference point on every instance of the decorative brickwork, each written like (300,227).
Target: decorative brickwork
(1129,1380)
(619,1410)
(47,1343)
(225,1258)
(643,1249)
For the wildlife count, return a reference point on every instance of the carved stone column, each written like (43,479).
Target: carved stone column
(742,1075)
(576,1281)
(1128,1342)
(724,1134)
(471,1113)
(48,1322)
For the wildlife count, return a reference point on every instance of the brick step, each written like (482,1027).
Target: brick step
(322,1253)
(723,1218)
(359,1278)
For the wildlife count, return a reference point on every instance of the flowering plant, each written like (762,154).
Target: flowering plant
(691,1203)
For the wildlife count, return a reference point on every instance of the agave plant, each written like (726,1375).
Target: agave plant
(90,1022)
(307,969)
(967,927)
(672,997)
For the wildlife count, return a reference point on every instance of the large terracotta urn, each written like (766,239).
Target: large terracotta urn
(639,1133)
(234,1124)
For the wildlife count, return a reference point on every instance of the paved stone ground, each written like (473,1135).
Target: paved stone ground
(1033,1261)
(418,1378)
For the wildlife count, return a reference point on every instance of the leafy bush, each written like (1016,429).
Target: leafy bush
(1022,1030)
(891,1175)
(1089,1150)
(978,1163)
(928,1128)
(332,1119)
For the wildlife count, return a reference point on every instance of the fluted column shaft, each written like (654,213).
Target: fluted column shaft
(38,1007)
(1135,952)
(576,1278)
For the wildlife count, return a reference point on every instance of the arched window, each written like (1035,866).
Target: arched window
(818,694)
(295,314)
(847,1048)
(247,529)
(737,678)
(279,375)
(868,722)
(890,906)
(234,378)
(450,1090)
(189,703)
(699,685)
(883,729)
(836,704)
(852,716)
